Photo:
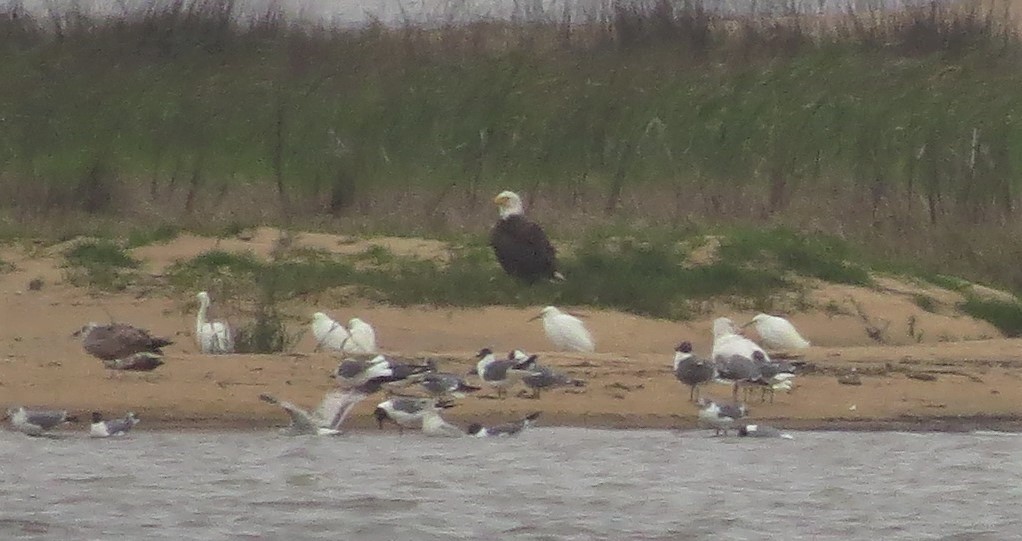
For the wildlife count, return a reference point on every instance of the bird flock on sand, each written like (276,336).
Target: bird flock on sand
(418,392)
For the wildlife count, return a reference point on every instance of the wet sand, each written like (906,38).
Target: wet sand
(976,373)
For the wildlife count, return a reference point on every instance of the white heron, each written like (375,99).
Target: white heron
(727,342)
(778,333)
(329,334)
(212,336)
(566,331)
(363,337)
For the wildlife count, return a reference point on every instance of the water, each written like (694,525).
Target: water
(551,483)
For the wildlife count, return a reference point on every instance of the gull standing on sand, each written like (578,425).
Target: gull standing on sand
(506,429)
(213,337)
(520,245)
(113,427)
(37,422)
(498,373)
(720,417)
(119,340)
(566,331)
(329,334)
(542,377)
(778,333)
(444,384)
(774,376)
(733,354)
(692,370)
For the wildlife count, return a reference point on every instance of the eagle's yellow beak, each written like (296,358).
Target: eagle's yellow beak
(499,200)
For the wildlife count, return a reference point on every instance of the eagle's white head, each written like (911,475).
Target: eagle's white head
(509,204)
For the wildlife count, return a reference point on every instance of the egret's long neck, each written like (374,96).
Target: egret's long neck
(511,208)
(200,320)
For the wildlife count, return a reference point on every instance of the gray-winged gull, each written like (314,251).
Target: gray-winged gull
(406,412)
(37,422)
(762,431)
(541,377)
(498,373)
(692,370)
(720,417)
(112,427)
(505,429)
(435,425)
(325,421)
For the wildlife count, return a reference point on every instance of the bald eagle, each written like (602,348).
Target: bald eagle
(521,246)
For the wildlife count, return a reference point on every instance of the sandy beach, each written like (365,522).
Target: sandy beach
(938,370)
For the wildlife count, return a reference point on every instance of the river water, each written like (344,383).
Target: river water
(550,483)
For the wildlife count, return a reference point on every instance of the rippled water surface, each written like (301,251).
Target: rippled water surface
(551,483)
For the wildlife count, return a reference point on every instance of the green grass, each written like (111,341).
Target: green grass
(816,256)
(867,128)
(926,303)
(645,278)
(1006,316)
(159,234)
(101,264)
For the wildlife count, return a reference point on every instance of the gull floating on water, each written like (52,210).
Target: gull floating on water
(498,373)
(778,333)
(37,422)
(435,425)
(506,429)
(762,431)
(566,331)
(329,334)
(113,427)
(720,417)
(119,340)
(406,412)
(213,337)
(692,370)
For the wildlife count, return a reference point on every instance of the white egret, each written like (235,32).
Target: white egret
(363,337)
(778,333)
(212,336)
(566,331)
(328,333)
